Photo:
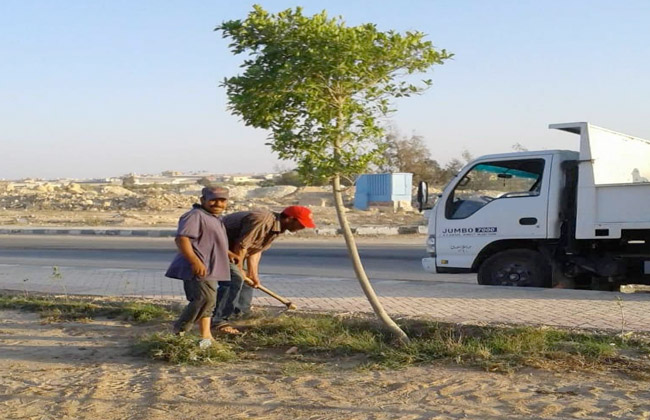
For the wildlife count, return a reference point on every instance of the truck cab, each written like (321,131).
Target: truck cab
(516,218)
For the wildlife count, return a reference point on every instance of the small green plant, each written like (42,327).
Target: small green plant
(56,276)
(619,302)
(25,293)
(145,312)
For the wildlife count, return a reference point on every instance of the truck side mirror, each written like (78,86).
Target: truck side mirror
(423,195)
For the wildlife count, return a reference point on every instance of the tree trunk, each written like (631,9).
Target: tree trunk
(358,267)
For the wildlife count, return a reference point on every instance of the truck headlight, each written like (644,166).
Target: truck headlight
(431,244)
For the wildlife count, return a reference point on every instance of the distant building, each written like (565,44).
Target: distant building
(179,178)
(164,180)
(99,181)
(393,190)
(245,179)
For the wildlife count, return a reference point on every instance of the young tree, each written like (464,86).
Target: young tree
(320,88)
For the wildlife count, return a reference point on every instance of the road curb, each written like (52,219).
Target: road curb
(162,233)
(90,232)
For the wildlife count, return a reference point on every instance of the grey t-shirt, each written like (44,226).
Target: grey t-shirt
(210,243)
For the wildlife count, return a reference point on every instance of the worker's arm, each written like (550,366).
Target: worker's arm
(185,248)
(252,266)
(237,254)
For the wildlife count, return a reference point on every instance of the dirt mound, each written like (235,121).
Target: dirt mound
(273,193)
(85,204)
(116,191)
(74,188)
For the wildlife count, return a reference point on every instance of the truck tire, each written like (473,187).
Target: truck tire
(515,267)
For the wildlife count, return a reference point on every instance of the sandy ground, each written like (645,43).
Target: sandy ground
(82,371)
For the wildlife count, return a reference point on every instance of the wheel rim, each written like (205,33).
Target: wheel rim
(514,274)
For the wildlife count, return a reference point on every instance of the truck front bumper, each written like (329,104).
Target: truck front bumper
(429,265)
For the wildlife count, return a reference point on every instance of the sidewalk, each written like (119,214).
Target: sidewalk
(154,232)
(449,302)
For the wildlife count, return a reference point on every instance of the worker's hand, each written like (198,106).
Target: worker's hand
(256,281)
(198,269)
(234,258)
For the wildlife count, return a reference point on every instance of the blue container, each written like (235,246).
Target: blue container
(382,188)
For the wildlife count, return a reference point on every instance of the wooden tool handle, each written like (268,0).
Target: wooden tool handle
(271,293)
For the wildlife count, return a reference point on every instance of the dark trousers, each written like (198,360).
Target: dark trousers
(202,296)
(233,297)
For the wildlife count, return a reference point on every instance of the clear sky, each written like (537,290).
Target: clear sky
(107,87)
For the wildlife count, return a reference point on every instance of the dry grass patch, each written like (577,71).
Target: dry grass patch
(307,341)
(58,309)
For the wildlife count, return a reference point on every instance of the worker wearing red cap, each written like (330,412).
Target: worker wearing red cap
(249,234)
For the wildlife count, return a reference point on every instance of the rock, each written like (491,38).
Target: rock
(377,230)
(74,188)
(315,196)
(275,192)
(191,189)
(239,192)
(328,231)
(40,189)
(116,190)
(316,201)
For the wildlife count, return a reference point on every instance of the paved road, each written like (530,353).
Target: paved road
(394,259)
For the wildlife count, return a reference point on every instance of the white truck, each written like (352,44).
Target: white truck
(548,218)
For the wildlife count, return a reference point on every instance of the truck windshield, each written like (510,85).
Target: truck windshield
(505,170)
(488,181)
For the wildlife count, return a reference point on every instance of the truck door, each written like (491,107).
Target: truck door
(493,200)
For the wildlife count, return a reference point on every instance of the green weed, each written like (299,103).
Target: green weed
(56,309)
(184,350)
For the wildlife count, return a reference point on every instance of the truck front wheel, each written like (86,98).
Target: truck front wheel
(515,267)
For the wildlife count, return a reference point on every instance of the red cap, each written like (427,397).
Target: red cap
(301,214)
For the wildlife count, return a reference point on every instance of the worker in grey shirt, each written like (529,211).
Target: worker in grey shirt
(202,260)
(249,234)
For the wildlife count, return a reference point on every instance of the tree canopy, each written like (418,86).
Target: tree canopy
(321,87)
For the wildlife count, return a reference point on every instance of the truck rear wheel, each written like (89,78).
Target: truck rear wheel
(515,267)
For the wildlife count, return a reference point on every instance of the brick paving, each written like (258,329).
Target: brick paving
(444,301)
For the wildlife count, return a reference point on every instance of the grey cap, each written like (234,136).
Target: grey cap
(210,193)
